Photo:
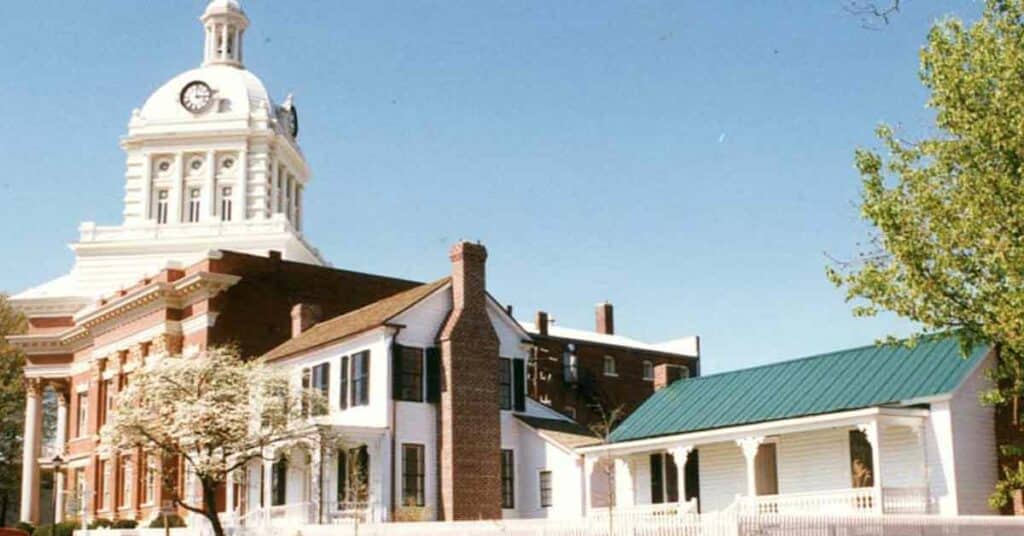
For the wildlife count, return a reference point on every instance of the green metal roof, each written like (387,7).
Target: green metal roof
(838,381)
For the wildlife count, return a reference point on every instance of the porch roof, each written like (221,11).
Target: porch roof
(857,378)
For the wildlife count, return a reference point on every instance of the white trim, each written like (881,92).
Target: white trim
(778,427)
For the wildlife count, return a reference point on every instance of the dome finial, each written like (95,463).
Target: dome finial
(224,23)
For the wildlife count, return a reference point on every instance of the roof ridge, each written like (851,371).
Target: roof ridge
(900,342)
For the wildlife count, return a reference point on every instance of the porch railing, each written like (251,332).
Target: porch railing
(842,501)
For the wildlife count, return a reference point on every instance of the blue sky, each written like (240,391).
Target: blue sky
(689,161)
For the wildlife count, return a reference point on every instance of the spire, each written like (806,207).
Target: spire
(225,23)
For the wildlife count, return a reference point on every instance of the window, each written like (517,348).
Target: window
(361,379)
(149,480)
(505,382)
(766,473)
(412,475)
(570,365)
(83,413)
(545,489)
(193,205)
(104,485)
(508,489)
(322,383)
(664,479)
(353,482)
(861,460)
(80,487)
(343,384)
(411,380)
(609,366)
(108,400)
(648,371)
(125,475)
(161,206)
(279,482)
(225,203)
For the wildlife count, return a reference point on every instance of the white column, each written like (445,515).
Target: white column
(750,445)
(210,197)
(60,440)
(291,200)
(147,188)
(624,482)
(177,191)
(315,476)
(274,192)
(241,187)
(268,483)
(31,446)
(223,42)
(679,456)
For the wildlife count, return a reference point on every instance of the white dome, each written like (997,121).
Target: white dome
(222,6)
(235,91)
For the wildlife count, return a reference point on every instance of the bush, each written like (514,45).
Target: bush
(29,528)
(121,524)
(100,523)
(173,521)
(65,528)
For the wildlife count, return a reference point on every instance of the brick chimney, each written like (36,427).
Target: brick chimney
(665,374)
(304,316)
(605,318)
(542,322)
(469,426)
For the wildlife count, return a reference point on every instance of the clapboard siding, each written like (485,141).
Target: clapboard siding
(814,461)
(974,445)
(723,475)
(903,461)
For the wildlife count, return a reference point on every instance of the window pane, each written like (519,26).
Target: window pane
(412,374)
(412,475)
(507,479)
(505,382)
(545,489)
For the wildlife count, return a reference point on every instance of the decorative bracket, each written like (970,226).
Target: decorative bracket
(750,446)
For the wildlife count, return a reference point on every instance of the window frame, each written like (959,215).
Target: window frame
(648,370)
(412,377)
(82,400)
(414,478)
(545,481)
(609,371)
(279,483)
(508,479)
(195,206)
(226,204)
(506,384)
(360,383)
(163,196)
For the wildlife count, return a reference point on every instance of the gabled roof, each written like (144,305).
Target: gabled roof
(839,381)
(686,346)
(569,434)
(373,315)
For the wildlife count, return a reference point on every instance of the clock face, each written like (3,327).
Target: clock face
(196,96)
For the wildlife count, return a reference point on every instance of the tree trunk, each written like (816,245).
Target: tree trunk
(210,506)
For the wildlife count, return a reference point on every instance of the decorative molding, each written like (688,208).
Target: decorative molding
(870,431)
(750,445)
(680,454)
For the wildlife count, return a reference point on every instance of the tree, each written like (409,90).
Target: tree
(947,246)
(12,408)
(607,419)
(215,413)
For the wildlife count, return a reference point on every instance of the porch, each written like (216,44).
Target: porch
(871,461)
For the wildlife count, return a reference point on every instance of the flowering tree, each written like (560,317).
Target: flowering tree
(215,412)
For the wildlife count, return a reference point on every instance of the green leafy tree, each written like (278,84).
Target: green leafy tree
(948,212)
(12,409)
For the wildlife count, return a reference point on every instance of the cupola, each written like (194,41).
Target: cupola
(225,24)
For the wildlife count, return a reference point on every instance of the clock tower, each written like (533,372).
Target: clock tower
(212,163)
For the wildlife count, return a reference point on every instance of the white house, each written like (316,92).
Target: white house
(876,429)
(382,369)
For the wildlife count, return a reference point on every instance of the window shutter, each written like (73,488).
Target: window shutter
(396,372)
(519,384)
(657,497)
(343,384)
(364,356)
(433,375)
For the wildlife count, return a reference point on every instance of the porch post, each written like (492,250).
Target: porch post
(315,476)
(268,481)
(31,445)
(623,477)
(60,440)
(679,455)
(750,445)
(872,432)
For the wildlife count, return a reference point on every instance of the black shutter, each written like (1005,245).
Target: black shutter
(657,497)
(365,358)
(671,480)
(396,372)
(519,384)
(343,384)
(433,375)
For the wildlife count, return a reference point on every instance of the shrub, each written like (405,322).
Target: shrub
(65,528)
(121,524)
(100,523)
(173,521)
(29,528)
